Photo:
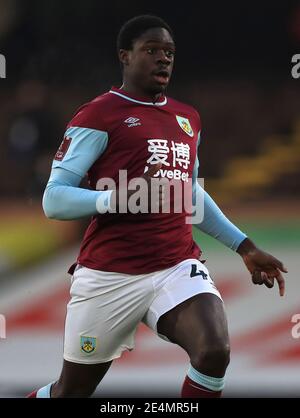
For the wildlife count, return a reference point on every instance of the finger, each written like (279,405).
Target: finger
(256,277)
(281,283)
(278,264)
(271,271)
(153,169)
(268,280)
(281,267)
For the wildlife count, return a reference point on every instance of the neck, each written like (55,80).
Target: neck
(136,91)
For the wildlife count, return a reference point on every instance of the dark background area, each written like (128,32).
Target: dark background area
(68,42)
(233,63)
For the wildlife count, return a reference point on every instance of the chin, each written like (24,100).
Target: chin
(158,89)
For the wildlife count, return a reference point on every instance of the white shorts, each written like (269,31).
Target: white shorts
(106,307)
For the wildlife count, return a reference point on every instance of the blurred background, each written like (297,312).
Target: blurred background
(233,64)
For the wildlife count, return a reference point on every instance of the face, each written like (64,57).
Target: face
(148,66)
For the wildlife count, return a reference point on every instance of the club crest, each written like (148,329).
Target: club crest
(88,344)
(63,148)
(185,125)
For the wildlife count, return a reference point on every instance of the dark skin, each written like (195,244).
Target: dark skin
(199,324)
(152,53)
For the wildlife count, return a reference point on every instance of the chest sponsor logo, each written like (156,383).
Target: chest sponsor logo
(175,156)
(185,125)
(131,121)
(62,150)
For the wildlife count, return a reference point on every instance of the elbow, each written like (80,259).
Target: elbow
(48,211)
(50,214)
(49,207)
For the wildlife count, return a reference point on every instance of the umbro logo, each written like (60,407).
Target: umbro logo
(131,121)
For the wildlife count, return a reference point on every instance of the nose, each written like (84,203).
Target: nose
(161,57)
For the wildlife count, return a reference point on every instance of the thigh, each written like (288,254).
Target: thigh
(102,316)
(177,297)
(199,321)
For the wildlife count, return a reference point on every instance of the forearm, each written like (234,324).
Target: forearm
(66,203)
(217,225)
(63,200)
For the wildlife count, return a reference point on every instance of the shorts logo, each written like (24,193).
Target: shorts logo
(88,344)
(62,150)
(185,125)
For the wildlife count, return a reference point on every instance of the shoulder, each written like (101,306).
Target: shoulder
(94,114)
(186,110)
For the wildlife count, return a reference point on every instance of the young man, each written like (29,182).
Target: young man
(144,266)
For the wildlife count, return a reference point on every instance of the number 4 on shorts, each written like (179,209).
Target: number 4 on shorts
(194,272)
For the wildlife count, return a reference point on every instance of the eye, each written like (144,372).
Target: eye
(150,51)
(170,54)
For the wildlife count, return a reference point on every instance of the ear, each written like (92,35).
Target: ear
(124,56)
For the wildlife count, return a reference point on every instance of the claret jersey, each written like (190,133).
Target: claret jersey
(122,132)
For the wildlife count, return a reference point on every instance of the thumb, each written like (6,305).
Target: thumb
(153,169)
(280,265)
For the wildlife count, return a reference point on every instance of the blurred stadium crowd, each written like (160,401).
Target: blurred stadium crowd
(233,65)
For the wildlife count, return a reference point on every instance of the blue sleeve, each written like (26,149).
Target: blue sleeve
(85,147)
(215,223)
(63,199)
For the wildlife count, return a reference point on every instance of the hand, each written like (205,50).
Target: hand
(264,268)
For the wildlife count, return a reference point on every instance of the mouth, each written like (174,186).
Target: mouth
(162,76)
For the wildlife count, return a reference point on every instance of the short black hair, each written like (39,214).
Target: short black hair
(135,27)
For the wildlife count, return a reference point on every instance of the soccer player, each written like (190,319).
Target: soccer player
(141,267)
